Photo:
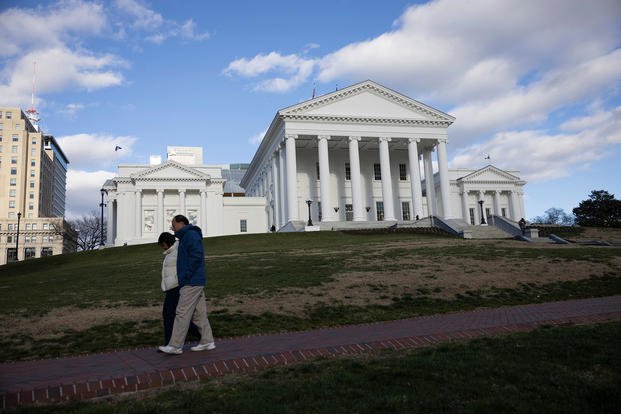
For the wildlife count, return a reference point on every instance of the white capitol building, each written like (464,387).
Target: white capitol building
(361,157)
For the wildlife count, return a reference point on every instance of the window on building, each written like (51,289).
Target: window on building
(34,141)
(13,171)
(405,210)
(31,195)
(349,212)
(243,226)
(488,212)
(8,115)
(503,212)
(12,192)
(471,210)
(319,210)
(1,126)
(14,149)
(46,226)
(15,138)
(11,254)
(17,125)
(30,206)
(11,203)
(29,253)
(34,226)
(13,181)
(403,176)
(26,239)
(379,210)
(33,163)
(347,172)
(9,239)
(377,171)
(0,114)
(32,185)
(33,239)
(46,251)
(11,214)
(13,160)
(11,225)
(33,152)
(317,169)
(28,226)
(32,173)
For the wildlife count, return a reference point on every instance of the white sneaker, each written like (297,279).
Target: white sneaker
(204,347)
(172,350)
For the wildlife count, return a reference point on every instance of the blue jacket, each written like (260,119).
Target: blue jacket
(190,256)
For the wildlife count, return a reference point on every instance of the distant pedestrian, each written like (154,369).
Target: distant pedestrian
(191,276)
(273,228)
(522,224)
(170,285)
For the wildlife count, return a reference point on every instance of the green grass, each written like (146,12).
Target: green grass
(554,370)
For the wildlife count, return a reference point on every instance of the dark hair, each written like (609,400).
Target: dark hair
(179,218)
(166,238)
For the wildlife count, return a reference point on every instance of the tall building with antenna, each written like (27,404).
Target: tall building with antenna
(33,176)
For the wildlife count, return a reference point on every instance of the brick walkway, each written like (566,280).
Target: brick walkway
(89,376)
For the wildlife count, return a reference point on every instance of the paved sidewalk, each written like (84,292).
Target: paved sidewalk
(96,375)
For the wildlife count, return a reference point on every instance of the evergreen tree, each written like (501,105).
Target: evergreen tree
(600,210)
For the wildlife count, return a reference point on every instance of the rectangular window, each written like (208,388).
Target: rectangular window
(11,203)
(13,160)
(347,172)
(11,226)
(12,193)
(377,172)
(33,163)
(243,226)
(319,210)
(31,195)
(403,176)
(26,239)
(11,254)
(13,181)
(349,212)
(46,226)
(46,251)
(32,184)
(32,173)
(471,210)
(29,252)
(13,171)
(488,212)
(379,210)
(405,210)
(28,226)
(1,126)
(15,138)
(17,125)
(30,206)
(8,115)
(34,226)
(11,215)
(503,211)
(14,149)
(33,152)
(34,141)
(317,169)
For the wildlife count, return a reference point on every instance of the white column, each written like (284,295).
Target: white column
(324,178)
(283,187)
(417,192)
(292,181)
(513,205)
(356,180)
(444,178)
(138,218)
(430,188)
(160,211)
(181,202)
(497,203)
(464,206)
(110,223)
(389,209)
(275,188)
(203,212)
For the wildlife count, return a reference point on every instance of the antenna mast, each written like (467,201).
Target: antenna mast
(31,112)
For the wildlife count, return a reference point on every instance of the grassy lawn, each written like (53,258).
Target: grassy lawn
(110,299)
(572,369)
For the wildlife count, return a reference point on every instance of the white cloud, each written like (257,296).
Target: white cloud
(89,151)
(83,194)
(143,17)
(256,139)
(297,70)
(542,156)
(70,110)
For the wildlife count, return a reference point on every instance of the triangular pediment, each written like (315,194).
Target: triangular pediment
(170,170)
(489,173)
(367,99)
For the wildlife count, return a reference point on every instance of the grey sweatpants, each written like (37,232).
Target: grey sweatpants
(191,307)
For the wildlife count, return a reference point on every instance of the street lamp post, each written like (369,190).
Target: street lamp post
(482,215)
(308,203)
(19,216)
(102,205)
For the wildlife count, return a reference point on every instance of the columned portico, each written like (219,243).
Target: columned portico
(356,181)
(324,177)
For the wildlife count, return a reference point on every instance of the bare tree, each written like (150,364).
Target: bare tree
(89,230)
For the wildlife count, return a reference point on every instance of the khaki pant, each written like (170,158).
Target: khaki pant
(191,307)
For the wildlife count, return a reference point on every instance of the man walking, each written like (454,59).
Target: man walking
(191,274)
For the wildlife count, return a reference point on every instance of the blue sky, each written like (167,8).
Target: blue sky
(535,84)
